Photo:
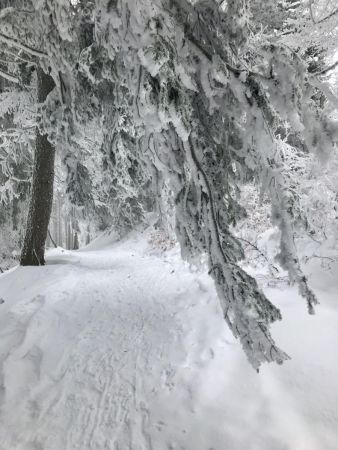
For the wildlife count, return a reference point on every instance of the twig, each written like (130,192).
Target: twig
(50,236)
(321,257)
(257,250)
(36,256)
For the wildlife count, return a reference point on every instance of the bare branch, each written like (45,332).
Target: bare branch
(258,250)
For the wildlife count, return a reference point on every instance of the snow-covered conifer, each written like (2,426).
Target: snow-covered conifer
(182,94)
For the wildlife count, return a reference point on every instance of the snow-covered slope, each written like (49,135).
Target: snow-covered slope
(122,347)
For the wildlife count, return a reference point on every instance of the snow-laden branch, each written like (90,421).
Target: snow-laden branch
(15,43)
(328,69)
(10,10)
(184,102)
(9,77)
(326,89)
(328,16)
(19,56)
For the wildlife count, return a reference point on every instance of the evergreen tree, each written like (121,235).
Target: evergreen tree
(183,94)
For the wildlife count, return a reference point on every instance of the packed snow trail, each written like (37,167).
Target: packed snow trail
(125,348)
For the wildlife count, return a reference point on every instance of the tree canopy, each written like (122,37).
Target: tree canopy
(191,99)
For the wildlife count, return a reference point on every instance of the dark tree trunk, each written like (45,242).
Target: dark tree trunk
(40,208)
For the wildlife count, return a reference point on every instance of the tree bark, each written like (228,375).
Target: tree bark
(40,208)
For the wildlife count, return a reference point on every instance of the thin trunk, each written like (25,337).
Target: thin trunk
(59,221)
(33,252)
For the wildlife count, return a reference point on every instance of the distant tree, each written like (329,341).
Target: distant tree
(76,241)
(20,59)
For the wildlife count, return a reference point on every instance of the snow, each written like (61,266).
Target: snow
(122,346)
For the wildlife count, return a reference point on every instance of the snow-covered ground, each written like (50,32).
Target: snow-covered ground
(123,347)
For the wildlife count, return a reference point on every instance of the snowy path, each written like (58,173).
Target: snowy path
(123,349)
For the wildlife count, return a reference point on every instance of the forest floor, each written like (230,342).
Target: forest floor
(122,346)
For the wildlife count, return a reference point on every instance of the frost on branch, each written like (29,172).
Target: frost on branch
(195,131)
(189,131)
(182,100)
(198,114)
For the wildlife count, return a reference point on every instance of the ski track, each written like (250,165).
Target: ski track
(110,350)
